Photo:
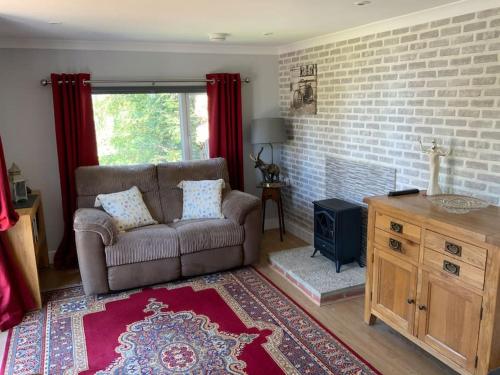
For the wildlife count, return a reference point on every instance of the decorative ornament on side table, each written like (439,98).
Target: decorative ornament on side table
(270,172)
(18,188)
(435,153)
(268,131)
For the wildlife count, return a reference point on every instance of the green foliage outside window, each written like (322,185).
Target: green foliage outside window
(198,122)
(146,128)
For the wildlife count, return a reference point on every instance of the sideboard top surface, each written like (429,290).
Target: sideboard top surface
(482,224)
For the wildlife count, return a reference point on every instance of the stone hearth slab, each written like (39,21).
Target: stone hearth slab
(316,277)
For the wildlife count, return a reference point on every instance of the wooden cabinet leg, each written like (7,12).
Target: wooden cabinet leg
(370,319)
(263,214)
(280,219)
(282,214)
(44,256)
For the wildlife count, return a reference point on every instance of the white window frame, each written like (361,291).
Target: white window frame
(187,151)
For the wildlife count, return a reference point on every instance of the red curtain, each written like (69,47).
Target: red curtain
(15,297)
(225,123)
(76,146)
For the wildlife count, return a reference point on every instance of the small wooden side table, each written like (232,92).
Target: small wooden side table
(29,243)
(272,191)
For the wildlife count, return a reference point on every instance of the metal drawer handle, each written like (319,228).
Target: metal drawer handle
(396,227)
(410,301)
(422,307)
(394,244)
(453,248)
(452,268)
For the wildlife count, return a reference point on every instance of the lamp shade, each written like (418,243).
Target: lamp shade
(268,130)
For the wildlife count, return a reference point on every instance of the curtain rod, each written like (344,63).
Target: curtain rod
(46,82)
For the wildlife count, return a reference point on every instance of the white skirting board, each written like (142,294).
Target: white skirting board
(271,223)
(290,227)
(297,230)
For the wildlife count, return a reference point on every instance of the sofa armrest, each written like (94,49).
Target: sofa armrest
(237,205)
(96,221)
(92,262)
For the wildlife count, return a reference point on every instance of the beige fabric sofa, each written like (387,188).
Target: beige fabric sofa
(111,261)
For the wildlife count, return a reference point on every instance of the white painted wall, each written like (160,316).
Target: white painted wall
(26,112)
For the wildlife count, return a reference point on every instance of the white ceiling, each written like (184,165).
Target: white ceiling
(189,21)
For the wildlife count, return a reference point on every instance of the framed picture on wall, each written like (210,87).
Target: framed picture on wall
(303,89)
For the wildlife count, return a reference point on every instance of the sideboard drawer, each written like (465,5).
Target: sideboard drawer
(456,249)
(397,244)
(399,227)
(471,275)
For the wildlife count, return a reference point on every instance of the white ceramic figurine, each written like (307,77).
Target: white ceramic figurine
(435,153)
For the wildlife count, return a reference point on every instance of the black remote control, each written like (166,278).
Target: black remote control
(403,192)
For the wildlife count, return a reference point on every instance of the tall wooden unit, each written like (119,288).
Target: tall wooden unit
(434,277)
(29,243)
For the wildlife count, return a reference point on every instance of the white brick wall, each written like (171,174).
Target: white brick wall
(378,94)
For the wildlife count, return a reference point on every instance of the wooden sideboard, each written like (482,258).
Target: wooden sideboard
(29,243)
(434,276)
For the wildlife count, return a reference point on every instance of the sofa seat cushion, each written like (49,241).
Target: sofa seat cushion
(204,234)
(143,244)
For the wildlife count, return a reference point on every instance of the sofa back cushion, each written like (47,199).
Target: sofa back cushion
(91,181)
(170,174)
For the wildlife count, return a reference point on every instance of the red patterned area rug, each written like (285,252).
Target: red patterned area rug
(227,323)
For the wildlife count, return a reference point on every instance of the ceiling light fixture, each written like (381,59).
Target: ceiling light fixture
(269,33)
(218,37)
(363,2)
(54,22)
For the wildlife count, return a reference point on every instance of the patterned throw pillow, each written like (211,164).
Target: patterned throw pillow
(202,199)
(127,208)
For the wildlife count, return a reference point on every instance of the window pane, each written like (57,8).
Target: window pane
(137,128)
(198,123)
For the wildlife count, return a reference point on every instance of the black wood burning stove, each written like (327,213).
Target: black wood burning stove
(337,231)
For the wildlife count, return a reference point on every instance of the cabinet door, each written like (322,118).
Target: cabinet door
(394,290)
(449,318)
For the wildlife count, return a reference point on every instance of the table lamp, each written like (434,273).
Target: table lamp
(268,131)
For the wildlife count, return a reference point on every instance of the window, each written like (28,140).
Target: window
(149,127)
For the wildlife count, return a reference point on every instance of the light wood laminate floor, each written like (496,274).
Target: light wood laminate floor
(384,348)
(390,353)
